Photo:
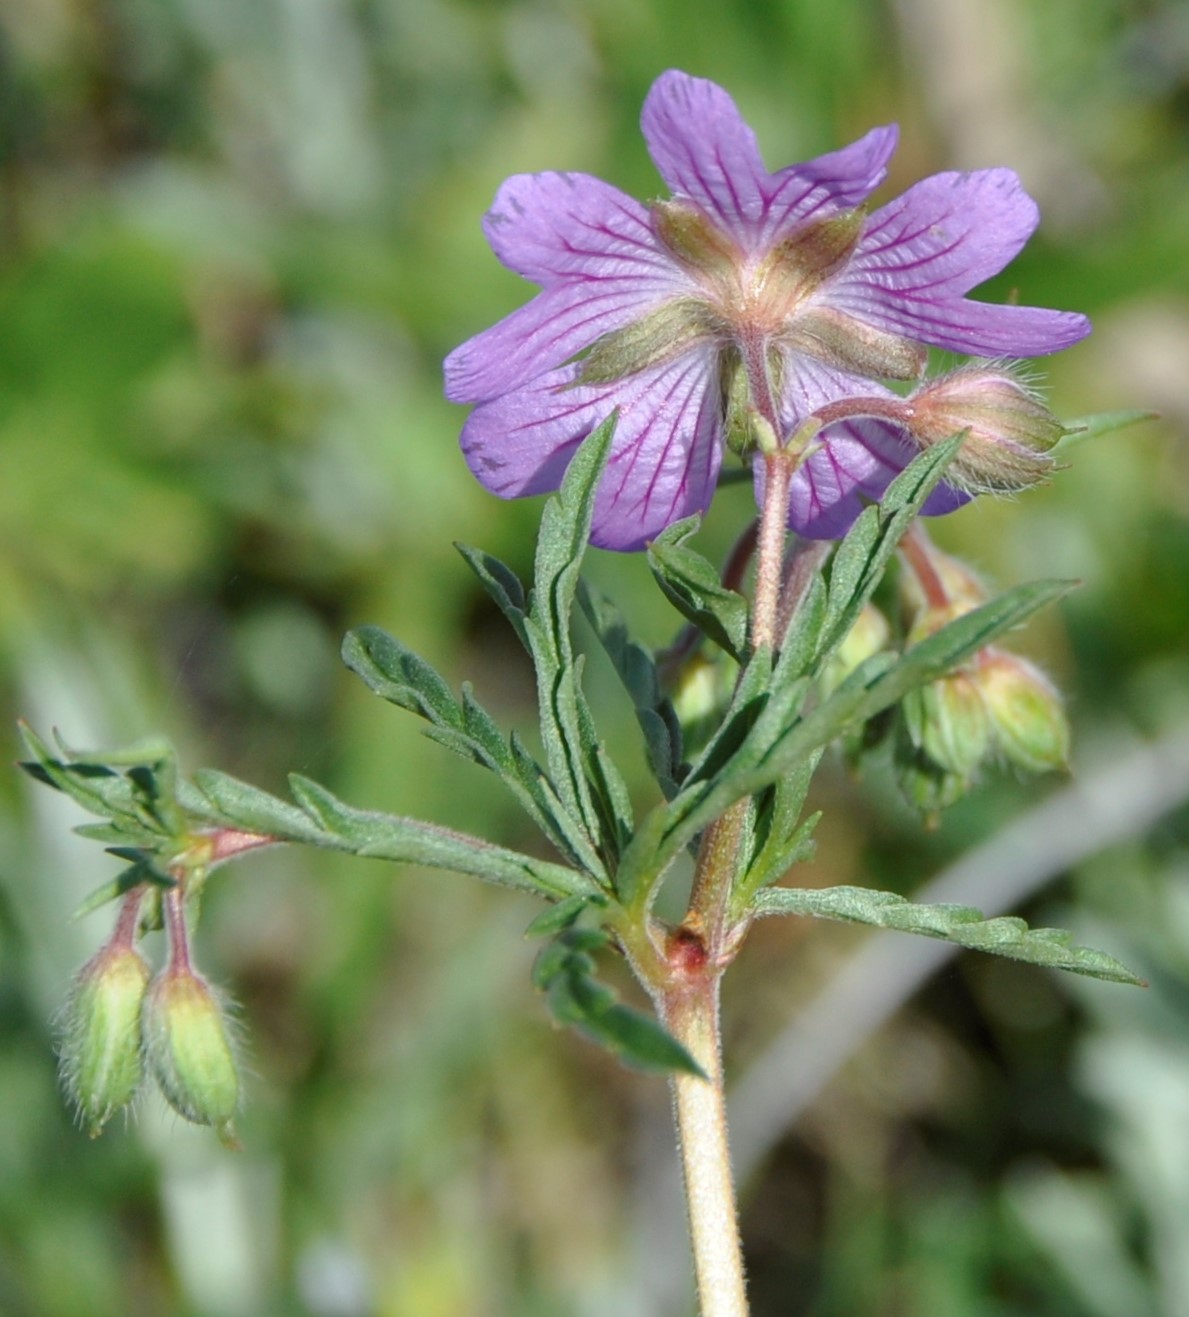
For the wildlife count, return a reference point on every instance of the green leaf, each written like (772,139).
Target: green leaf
(141,871)
(564,971)
(226,800)
(402,678)
(1005,935)
(1091,427)
(860,560)
(777,742)
(502,584)
(692,585)
(586,780)
(636,668)
(780,839)
(325,821)
(561,916)
(137,797)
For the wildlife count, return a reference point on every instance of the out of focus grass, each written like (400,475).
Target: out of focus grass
(235,242)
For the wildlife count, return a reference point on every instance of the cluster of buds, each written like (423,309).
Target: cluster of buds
(123,1021)
(995,706)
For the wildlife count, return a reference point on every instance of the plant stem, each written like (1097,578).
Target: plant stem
(689,1008)
(685,985)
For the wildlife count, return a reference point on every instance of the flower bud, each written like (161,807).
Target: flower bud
(100,1053)
(1009,431)
(925,786)
(1026,713)
(947,721)
(188,1047)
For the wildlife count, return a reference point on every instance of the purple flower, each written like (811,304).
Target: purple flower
(773,291)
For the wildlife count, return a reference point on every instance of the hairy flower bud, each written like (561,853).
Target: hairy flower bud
(100,1052)
(1026,712)
(947,722)
(188,1047)
(1009,431)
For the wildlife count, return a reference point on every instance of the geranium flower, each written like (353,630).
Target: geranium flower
(680,312)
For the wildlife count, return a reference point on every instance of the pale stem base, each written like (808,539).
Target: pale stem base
(690,1012)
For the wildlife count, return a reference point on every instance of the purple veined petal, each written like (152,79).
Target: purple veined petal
(808,383)
(840,180)
(944,500)
(855,457)
(665,456)
(571,226)
(982,329)
(704,151)
(857,463)
(546,332)
(922,252)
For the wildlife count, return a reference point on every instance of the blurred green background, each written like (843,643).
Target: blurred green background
(236,240)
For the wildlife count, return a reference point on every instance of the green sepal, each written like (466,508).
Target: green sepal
(692,585)
(564,971)
(1003,935)
(1098,424)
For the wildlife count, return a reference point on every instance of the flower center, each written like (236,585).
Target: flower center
(752,304)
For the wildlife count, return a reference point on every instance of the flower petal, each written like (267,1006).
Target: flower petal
(842,179)
(664,459)
(704,151)
(808,383)
(544,334)
(571,226)
(922,252)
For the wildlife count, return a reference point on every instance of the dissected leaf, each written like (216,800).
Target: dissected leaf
(637,669)
(860,560)
(692,585)
(1004,935)
(403,678)
(583,775)
(564,971)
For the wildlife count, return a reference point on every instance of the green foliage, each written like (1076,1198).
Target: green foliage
(692,586)
(1101,423)
(637,669)
(325,821)
(399,676)
(236,248)
(588,785)
(1004,935)
(565,973)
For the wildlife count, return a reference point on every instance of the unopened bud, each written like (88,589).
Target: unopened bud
(188,1047)
(100,1053)
(1026,713)
(926,787)
(948,723)
(1009,431)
